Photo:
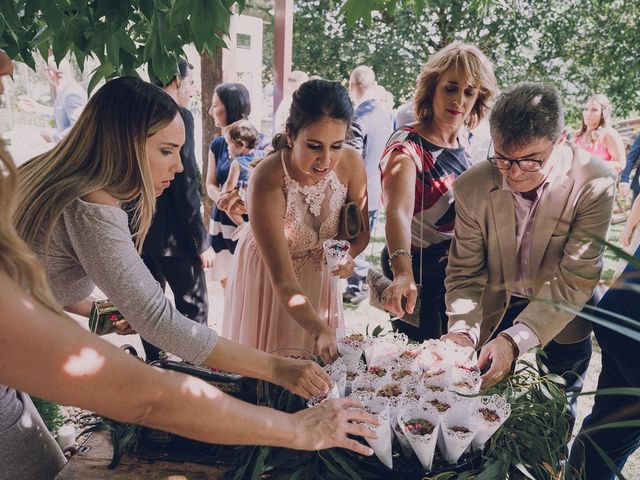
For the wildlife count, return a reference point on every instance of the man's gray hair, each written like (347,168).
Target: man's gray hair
(363,76)
(526,112)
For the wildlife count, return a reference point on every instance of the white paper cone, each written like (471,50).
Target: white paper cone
(486,429)
(338,373)
(335,251)
(465,381)
(382,446)
(350,347)
(424,446)
(455,443)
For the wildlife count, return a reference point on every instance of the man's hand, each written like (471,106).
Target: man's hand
(302,377)
(207,257)
(499,354)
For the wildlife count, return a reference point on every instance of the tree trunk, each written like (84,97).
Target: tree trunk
(210,78)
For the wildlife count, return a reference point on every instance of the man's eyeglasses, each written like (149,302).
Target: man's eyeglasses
(525,164)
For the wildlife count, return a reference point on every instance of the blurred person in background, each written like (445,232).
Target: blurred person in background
(70,99)
(597,136)
(176,249)
(372,126)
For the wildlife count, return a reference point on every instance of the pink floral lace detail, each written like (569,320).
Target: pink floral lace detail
(319,204)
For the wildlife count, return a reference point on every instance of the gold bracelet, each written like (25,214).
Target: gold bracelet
(512,342)
(397,253)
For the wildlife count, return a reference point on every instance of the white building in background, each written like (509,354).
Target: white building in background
(242,61)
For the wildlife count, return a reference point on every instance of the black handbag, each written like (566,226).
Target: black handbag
(350,221)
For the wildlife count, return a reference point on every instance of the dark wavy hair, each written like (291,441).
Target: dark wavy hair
(236,100)
(312,101)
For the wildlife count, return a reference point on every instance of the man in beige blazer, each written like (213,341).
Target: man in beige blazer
(526,221)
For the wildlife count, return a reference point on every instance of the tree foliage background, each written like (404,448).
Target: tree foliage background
(581,46)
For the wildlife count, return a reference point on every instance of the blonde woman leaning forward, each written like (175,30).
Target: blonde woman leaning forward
(419,164)
(45,353)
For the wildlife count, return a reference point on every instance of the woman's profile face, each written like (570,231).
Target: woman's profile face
(592,114)
(218,112)
(163,154)
(453,98)
(317,148)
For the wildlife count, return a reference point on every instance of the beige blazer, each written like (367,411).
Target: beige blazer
(566,261)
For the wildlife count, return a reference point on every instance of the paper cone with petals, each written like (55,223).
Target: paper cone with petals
(350,347)
(492,412)
(414,422)
(335,251)
(458,429)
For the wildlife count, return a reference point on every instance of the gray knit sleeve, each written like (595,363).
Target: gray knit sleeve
(101,241)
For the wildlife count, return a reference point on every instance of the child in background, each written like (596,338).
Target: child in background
(241,138)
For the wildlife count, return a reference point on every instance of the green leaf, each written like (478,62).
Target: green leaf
(377,331)
(180,11)
(52,14)
(103,71)
(198,24)
(10,15)
(525,471)
(354,10)
(113,50)
(147,8)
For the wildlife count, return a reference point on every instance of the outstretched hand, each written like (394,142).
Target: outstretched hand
(329,425)
(344,269)
(403,286)
(327,345)
(302,377)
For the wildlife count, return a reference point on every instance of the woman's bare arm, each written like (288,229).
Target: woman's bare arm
(398,186)
(50,356)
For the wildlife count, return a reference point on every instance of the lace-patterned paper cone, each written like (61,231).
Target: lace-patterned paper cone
(492,412)
(458,429)
(382,446)
(420,427)
(335,251)
(350,347)
(338,373)
(464,380)
(334,393)
(405,446)
(438,375)
(384,349)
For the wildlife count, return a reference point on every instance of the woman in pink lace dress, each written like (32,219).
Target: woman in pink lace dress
(281,292)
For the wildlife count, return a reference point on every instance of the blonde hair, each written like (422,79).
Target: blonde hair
(605,115)
(105,150)
(477,69)
(16,259)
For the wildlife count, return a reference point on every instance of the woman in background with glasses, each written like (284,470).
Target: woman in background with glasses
(419,164)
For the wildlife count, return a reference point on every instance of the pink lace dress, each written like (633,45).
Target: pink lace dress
(253,315)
